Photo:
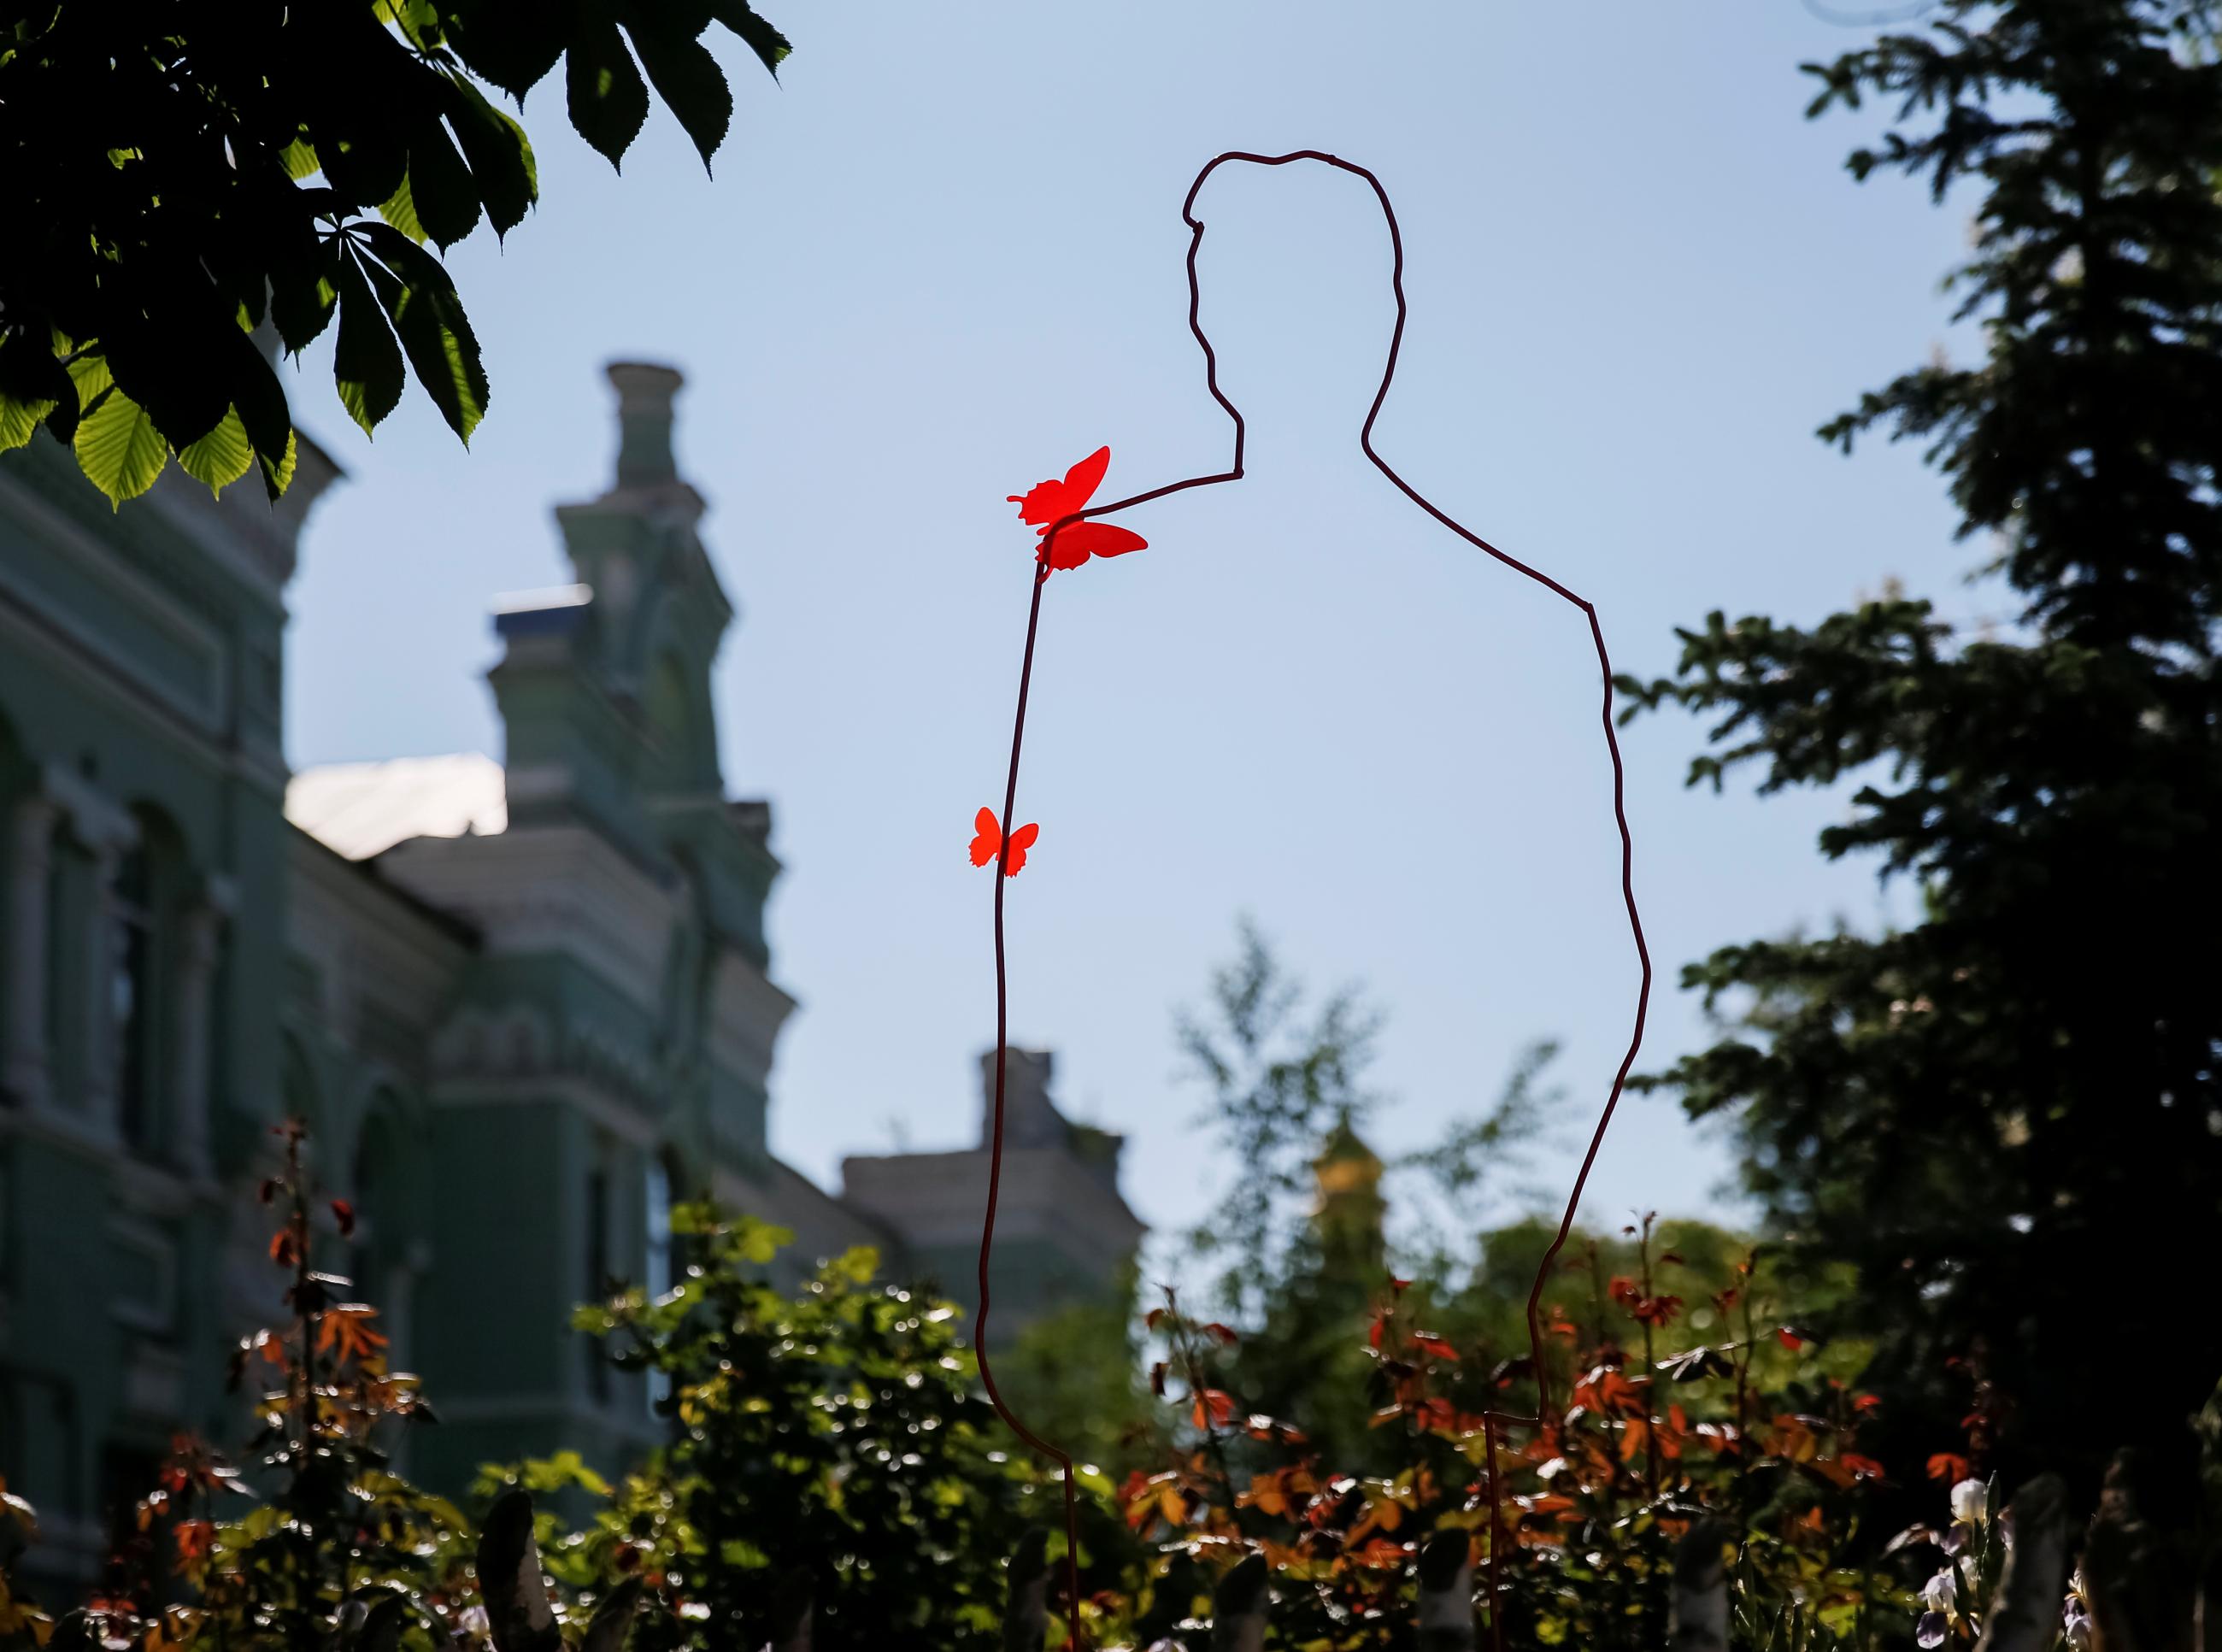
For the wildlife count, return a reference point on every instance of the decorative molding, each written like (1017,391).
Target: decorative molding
(612,1113)
(261,561)
(374,952)
(200,947)
(155,1382)
(746,1012)
(30,863)
(209,708)
(160,1316)
(159,1191)
(562,889)
(98,820)
(70,1131)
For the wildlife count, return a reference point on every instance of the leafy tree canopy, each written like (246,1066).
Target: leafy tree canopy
(172,177)
(2008,1114)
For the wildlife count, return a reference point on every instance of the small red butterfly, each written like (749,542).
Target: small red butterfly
(989,841)
(1047,502)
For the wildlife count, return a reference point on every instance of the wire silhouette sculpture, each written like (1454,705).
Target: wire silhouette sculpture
(1074,515)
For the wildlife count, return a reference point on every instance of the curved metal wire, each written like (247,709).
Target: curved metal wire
(1233,473)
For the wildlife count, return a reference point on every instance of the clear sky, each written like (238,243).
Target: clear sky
(942,261)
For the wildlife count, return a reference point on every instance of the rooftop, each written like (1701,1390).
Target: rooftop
(362,809)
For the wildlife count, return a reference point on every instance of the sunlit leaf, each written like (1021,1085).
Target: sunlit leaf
(119,450)
(221,457)
(367,363)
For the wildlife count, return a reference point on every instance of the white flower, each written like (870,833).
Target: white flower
(1971,1501)
(473,1622)
(1931,1630)
(1939,1593)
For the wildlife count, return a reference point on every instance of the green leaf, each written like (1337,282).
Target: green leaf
(768,43)
(513,44)
(261,402)
(301,300)
(759,1241)
(418,20)
(299,159)
(172,364)
(221,457)
(365,168)
(425,311)
(685,72)
(608,101)
(365,359)
(399,210)
(20,420)
(33,383)
(119,448)
(440,186)
(278,477)
(93,381)
(499,155)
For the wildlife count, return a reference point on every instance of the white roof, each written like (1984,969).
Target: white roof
(362,809)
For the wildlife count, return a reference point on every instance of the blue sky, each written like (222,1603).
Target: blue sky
(941,260)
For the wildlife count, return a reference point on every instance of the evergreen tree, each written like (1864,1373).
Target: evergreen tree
(2008,1113)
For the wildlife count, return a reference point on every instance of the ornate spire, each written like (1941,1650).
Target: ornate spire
(645,391)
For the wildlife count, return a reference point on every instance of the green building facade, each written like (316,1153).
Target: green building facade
(522,1007)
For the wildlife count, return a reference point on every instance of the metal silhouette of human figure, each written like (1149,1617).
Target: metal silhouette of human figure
(1047,558)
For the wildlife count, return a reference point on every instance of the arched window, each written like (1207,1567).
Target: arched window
(660,1182)
(599,1263)
(131,989)
(657,1203)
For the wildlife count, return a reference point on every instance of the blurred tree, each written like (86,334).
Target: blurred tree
(171,176)
(2007,1114)
(1279,1080)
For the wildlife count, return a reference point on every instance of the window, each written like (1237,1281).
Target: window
(659,1229)
(56,951)
(657,1201)
(598,1277)
(130,996)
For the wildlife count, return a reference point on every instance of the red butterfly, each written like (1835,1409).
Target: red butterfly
(1047,502)
(989,841)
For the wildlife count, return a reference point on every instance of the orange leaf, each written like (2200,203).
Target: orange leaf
(1212,1409)
(348,1328)
(1950,1467)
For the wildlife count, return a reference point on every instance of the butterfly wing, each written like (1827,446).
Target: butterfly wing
(1097,539)
(1084,477)
(1077,541)
(1015,847)
(1045,501)
(987,837)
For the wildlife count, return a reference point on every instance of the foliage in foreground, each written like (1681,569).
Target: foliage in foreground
(172,176)
(837,1442)
(834,1465)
